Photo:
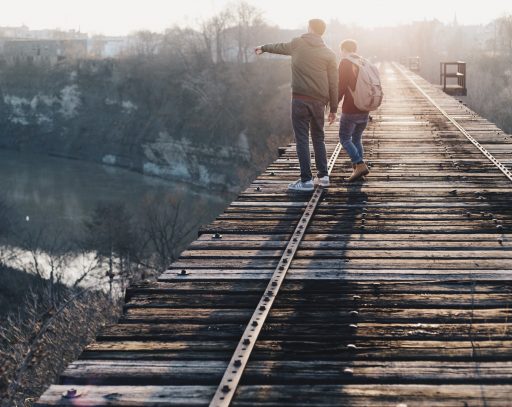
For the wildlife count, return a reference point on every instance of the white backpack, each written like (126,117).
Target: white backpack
(368,93)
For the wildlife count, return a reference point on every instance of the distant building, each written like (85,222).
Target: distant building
(15,51)
(101,46)
(14,32)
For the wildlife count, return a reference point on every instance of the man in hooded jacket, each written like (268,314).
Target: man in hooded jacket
(314,85)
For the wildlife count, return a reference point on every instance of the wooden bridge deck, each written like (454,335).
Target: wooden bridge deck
(398,293)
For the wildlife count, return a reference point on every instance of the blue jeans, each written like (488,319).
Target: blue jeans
(306,115)
(352,126)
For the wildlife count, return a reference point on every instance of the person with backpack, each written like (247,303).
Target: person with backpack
(361,91)
(314,85)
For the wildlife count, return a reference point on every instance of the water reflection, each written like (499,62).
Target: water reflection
(57,194)
(66,191)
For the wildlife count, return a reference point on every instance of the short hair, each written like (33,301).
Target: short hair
(318,26)
(349,45)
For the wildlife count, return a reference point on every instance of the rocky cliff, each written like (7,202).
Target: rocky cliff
(215,126)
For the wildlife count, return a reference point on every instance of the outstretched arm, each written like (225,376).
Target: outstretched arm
(283,48)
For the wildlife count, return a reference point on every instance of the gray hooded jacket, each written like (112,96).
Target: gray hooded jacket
(314,67)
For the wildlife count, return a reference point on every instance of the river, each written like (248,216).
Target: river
(63,192)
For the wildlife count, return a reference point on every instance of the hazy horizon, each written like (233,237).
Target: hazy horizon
(120,18)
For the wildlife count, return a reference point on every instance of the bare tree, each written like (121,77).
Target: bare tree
(248,20)
(213,31)
(505,32)
(165,225)
(7,227)
(36,344)
(109,233)
(146,43)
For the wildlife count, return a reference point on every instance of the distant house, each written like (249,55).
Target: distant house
(42,51)
(101,46)
(14,32)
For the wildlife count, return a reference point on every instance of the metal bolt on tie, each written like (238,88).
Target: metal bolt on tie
(183,272)
(348,371)
(353,313)
(351,346)
(217,236)
(353,326)
(71,394)
(356,297)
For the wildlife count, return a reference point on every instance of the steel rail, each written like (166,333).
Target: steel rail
(482,149)
(234,371)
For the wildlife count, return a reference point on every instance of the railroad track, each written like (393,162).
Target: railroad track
(393,291)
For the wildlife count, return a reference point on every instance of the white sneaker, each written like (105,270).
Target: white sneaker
(324,181)
(302,186)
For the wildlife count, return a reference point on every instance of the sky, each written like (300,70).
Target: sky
(120,17)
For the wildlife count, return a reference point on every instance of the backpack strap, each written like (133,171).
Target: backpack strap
(355,59)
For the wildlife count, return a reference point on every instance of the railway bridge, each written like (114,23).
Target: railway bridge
(392,291)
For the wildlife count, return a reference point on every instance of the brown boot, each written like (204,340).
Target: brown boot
(359,171)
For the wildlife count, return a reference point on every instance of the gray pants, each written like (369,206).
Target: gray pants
(308,115)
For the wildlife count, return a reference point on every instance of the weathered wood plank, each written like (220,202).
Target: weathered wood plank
(299,396)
